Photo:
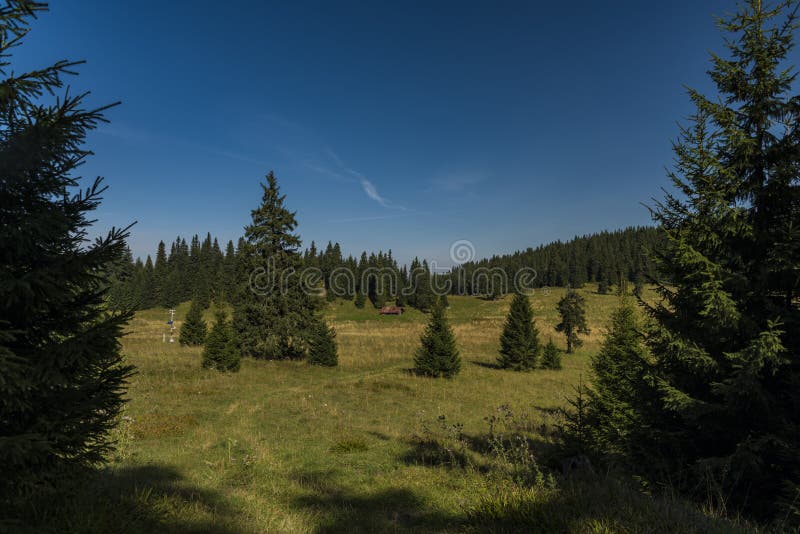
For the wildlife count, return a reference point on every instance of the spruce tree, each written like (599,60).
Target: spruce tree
(322,345)
(551,357)
(360,300)
(519,342)
(193,329)
(437,356)
(617,371)
(62,376)
(228,274)
(424,298)
(272,314)
(722,403)
(149,297)
(221,351)
(571,309)
(160,272)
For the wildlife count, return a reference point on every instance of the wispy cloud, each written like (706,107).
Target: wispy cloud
(369,189)
(321,169)
(334,156)
(342,172)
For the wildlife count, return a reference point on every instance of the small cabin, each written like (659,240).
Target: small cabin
(391,310)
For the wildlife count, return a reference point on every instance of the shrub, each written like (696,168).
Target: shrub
(221,351)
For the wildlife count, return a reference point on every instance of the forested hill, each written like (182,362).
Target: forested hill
(603,257)
(200,269)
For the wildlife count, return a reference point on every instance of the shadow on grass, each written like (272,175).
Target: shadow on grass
(594,505)
(432,453)
(486,365)
(341,509)
(148,498)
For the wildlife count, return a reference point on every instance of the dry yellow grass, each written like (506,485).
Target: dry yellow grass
(285,447)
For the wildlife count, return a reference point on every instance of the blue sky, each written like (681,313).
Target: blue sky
(405,125)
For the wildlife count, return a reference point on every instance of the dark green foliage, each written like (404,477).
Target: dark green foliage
(193,329)
(360,300)
(519,342)
(273,313)
(576,427)
(617,369)
(61,373)
(571,309)
(720,402)
(122,294)
(201,268)
(604,286)
(221,351)
(438,355)
(551,357)
(638,287)
(198,271)
(589,258)
(322,345)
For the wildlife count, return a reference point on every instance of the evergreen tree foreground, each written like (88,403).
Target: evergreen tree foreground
(322,345)
(62,376)
(221,351)
(273,315)
(437,356)
(716,411)
(519,342)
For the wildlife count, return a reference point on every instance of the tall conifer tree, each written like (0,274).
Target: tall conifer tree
(61,372)
(726,379)
(273,314)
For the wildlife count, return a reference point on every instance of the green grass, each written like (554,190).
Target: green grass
(287,447)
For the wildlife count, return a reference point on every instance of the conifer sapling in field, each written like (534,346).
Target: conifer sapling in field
(572,310)
(322,348)
(221,351)
(193,329)
(437,356)
(616,369)
(62,376)
(519,342)
(551,357)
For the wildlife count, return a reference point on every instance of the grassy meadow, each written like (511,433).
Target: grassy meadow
(285,447)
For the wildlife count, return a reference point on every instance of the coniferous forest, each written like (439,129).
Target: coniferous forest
(199,268)
(645,379)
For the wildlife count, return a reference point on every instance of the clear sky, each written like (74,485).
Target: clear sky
(404,125)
